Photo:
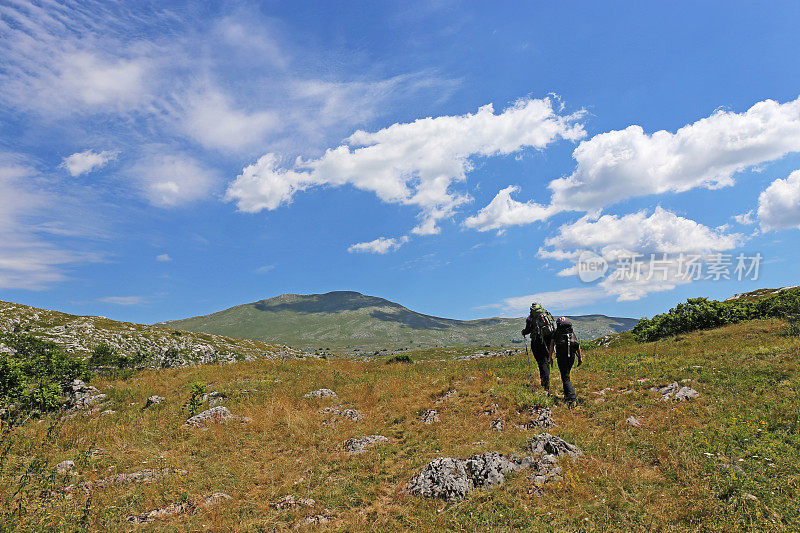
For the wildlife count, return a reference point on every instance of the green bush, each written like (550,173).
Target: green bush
(702,313)
(401,358)
(32,379)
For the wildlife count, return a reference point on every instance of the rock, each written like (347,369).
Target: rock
(547,444)
(153,400)
(498,424)
(542,417)
(340,412)
(633,421)
(454,479)
(357,445)
(65,466)
(289,502)
(430,416)
(176,509)
(685,394)
(546,470)
(215,415)
(321,393)
(676,392)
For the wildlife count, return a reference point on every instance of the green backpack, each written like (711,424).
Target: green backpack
(544,323)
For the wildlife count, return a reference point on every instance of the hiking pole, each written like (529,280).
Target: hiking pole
(527,355)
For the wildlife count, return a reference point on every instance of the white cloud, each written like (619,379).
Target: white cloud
(209,118)
(660,232)
(169,180)
(265,269)
(164,258)
(622,164)
(87,161)
(381,245)
(410,163)
(745,219)
(556,301)
(27,259)
(779,204)
(614,237)
(124,300)
(503,211)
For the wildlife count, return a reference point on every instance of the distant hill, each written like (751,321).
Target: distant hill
(354,322)
(82,334)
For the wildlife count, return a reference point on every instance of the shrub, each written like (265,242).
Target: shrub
(401,358)
(32,378)
(702,313)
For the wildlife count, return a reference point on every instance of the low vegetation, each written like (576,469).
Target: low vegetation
(728,460)
(702,313)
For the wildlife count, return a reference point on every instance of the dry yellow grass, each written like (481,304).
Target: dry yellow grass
(657,477)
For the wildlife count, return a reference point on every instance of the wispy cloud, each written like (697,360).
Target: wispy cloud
(381,245)
(124,300)
(88,161)
(163,258)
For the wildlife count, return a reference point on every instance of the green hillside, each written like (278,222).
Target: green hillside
(354,322)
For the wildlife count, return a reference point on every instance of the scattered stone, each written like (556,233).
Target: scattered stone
(357,445)
(321,393)
(108,412)
(430,416)
(176,509)
(731,467)
(153,400)
(498,424)
(143,476)
(674,391)
(547,444)
(289,502)
(454,479)
(545,470)
(542,417)
(447,395)
(65,466)
(340,412)
(633,421)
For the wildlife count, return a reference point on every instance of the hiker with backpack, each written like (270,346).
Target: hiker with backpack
(540,326)
(567,349)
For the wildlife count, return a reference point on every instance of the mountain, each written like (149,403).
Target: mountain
(354,322)
(82,334)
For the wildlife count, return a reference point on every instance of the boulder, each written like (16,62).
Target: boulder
(633,421)
(675,391)
(153,400)
(542,417)
(215,415)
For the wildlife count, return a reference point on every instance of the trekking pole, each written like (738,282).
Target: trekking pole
(527,355)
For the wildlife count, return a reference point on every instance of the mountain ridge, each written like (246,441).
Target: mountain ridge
(353,321)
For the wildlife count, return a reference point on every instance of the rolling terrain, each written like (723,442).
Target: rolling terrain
(356,323)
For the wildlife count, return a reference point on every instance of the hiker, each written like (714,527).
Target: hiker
(567,349)
(540,326)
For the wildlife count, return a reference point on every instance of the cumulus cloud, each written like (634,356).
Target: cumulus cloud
(658,239)
(779,204)
(745,219)
(169,180)
(88,161)
(622,164)
(381,245)
(660,232)
(503,211)
(410,163)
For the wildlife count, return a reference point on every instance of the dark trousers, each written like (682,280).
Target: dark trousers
(542,356)
(565,361)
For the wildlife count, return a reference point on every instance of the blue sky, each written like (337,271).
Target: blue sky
(160,160)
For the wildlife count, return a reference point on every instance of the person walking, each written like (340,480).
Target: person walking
(540,326)
(567,349)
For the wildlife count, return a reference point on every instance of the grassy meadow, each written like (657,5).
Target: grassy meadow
(726,461)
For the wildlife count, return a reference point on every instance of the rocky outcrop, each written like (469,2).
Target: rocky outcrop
(454,479)
(143,476)
(541,417)
(215,415)
(358,445)
(340,413)
(83,396)
(290,501)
